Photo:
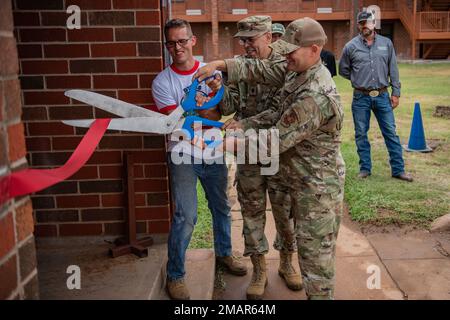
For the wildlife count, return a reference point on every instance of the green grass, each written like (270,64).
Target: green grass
(381,199)
(203,234)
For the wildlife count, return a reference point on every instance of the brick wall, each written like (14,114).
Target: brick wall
(337,32)
(18,274)
(229,45)
(117,52)
(202,32)
(340,37)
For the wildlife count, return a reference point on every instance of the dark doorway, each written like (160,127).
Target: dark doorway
(387,30)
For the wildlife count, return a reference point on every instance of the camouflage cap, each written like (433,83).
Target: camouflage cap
(300,33)
(278,28)
(253,26)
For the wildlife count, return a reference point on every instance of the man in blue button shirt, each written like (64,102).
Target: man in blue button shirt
(369,62)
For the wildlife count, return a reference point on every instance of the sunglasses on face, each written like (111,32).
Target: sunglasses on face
(181,42)
(244,40)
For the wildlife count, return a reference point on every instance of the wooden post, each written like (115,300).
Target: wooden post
(130,196)
(130,244)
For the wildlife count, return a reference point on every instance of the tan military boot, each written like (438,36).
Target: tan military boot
(287,272)
(255,290)
(233,265)
(177,289)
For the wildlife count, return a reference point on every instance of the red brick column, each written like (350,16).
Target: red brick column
(18,274)
(215,28)
(117,52)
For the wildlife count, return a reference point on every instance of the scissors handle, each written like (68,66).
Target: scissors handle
(189,121)
(190,104)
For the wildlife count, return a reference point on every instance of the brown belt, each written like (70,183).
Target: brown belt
(372,92)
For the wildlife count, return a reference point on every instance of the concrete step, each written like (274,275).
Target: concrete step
(102,277)
(200,271)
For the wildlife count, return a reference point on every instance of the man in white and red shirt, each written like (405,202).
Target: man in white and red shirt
(168,90)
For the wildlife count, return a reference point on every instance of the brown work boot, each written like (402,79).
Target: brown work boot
(255,290)
(233,265)
(177,289)
(287,272)
(363,175)
(405,177)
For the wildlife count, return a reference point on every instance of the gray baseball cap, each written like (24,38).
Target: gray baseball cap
(364,16)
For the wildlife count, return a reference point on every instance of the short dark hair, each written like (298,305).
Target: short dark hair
(177,23)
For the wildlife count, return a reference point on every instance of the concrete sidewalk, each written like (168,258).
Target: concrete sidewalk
(418,261)
(355,256)
(413,264)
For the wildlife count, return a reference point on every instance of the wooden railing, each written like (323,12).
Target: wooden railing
(434,21)
(424,21)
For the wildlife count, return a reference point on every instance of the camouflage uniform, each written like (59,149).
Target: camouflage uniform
(310,157)
(246,101)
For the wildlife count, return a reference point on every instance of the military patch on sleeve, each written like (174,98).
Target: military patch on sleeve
(289,117)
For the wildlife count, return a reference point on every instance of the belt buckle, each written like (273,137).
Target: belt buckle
(374,93)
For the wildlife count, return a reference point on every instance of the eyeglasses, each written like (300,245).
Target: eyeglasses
(243,40)
(181,42)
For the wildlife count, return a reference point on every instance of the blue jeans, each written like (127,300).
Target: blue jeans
(213,178)
(362,106)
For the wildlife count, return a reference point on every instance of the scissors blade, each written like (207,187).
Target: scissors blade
(161,125)
(111,105)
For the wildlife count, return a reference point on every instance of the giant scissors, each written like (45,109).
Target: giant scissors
(138,119)
(134,118)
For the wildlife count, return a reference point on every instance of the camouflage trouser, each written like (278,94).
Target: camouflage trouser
(317,220)
(317,223)
(252,188)
(340,198)
(280,200)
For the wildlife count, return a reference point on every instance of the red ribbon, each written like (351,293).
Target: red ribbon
(33,180)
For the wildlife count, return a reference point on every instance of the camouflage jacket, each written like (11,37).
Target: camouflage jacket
(310,122)
(246,100)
